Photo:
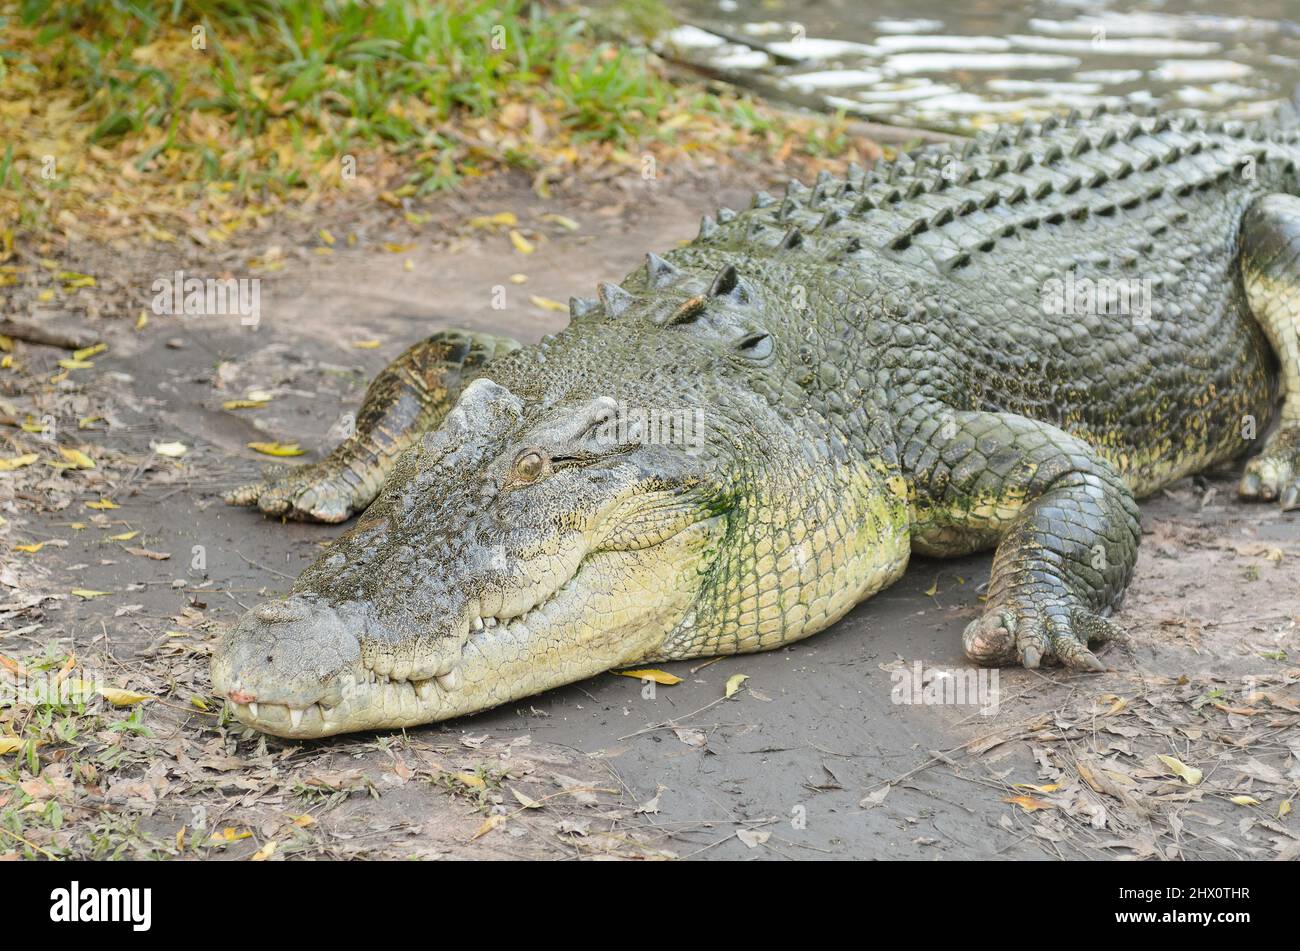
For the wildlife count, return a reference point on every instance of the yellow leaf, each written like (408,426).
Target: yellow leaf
(518,278)
(31,426)
(1188,774)
(30,549)
(180,839)
(472,780)
(1245,800)
(528,802)
(229,834)
(243,404)
(265,852)
(85,353)
(303,821)
(1049,788)
(1284,809)
(931,591)
(199,704)
(88,594)
(17,462)
(69,364)
(365,344)
(102,505)
(490,823)
(734,682)
(45,296)
(502,219)
(276,449)
(658,676)
(77,458)
(6,344)
(393,248)
(142,321)
(172,449)
(546,303)
(1028,803)
(87,421)
(122,698)
(568,224)
(326,237)
(522,244)
(12,744)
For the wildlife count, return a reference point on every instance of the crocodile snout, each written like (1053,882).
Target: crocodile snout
(288,653)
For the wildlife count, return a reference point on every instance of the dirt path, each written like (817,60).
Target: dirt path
(812,758)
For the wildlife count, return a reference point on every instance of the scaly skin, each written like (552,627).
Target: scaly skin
(864,369)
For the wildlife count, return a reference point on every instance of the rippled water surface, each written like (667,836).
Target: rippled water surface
(967,64)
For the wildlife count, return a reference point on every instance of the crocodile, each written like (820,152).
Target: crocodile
(998,344)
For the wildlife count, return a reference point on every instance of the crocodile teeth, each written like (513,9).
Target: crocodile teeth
(252,710)
(295,717)
(425,690)
(449,681)
(478,624)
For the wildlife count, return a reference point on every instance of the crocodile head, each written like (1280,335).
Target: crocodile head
(591,504)
(510,551)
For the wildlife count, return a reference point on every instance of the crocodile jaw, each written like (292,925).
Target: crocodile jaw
(618,608)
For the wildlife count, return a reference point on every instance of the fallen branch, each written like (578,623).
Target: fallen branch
(31,332)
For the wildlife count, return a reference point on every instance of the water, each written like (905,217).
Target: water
(963,66)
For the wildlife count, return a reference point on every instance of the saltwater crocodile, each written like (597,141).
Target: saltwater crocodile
(998,345)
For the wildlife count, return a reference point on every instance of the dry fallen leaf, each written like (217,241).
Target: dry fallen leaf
(173,449)
(122,698)
(1245,800)
(102,505)
(521,244)
(243,404)
(88,594)
(276,449)
(658,676)
(1028,803)
(547,303)
(17,462)
(525,800)
(734,682)
(265,852)
(78,458)
(490,823)
(1188,774)
(124,537)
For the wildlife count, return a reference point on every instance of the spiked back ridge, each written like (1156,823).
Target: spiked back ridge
(941,208)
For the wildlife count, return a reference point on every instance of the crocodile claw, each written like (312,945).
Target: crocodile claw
(1031,638)
(1274,475)
(304,493)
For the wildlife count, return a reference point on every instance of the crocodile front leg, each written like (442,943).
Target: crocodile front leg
(1064,523)
(408,397)
(1270,273)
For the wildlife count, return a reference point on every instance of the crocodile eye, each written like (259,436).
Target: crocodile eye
(757,346)
(529,466)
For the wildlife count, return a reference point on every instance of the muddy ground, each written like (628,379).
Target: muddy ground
(812,758)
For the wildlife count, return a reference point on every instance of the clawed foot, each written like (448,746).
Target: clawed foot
(1012,634)
(310,493)
(1274,475)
